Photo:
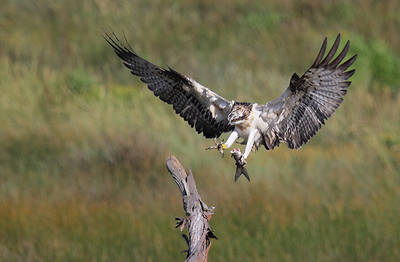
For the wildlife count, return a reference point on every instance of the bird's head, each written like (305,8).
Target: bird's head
(239,113)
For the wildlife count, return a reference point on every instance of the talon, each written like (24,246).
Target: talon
(219,146)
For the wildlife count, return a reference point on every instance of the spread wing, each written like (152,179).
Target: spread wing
(310,99)
(203,109)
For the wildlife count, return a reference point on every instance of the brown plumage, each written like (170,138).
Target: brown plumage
(172,88)
(312,98)
(292,118)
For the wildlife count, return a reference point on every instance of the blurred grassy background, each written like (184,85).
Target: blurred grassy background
(83,144)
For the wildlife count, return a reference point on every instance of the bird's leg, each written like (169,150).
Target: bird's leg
(221,146)
(218,145)
(231,139)
(249,144)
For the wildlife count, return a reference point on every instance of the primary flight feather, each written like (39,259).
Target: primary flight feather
(292,118)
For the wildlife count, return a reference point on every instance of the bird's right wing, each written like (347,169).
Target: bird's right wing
(310,99)
(203,109)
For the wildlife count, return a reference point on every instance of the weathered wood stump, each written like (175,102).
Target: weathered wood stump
(198,214)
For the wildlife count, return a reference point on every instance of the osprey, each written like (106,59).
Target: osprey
(293,118)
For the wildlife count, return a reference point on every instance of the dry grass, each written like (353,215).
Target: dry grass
(83,144)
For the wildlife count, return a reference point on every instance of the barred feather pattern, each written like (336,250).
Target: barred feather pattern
(315,96)
(172,88)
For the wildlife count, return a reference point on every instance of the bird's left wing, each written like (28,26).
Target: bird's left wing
(309,100)
(203,109)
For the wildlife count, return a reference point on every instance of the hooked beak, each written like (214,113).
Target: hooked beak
(230,119)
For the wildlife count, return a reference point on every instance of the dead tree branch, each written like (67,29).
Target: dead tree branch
(197,213)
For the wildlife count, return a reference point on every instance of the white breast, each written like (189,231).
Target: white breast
(246,127)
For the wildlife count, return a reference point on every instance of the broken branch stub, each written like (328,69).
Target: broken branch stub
(198,214)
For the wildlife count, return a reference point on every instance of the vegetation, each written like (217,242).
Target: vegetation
(83,144)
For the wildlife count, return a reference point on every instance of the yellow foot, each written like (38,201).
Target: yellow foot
(219,146)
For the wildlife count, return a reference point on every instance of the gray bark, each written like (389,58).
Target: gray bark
(198,214)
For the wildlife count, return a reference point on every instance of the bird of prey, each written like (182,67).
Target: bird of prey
(293,118)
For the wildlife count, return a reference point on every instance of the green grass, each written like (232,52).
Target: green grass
(83,144)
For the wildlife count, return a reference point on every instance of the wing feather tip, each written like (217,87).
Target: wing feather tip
(321,52)
(332,51)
